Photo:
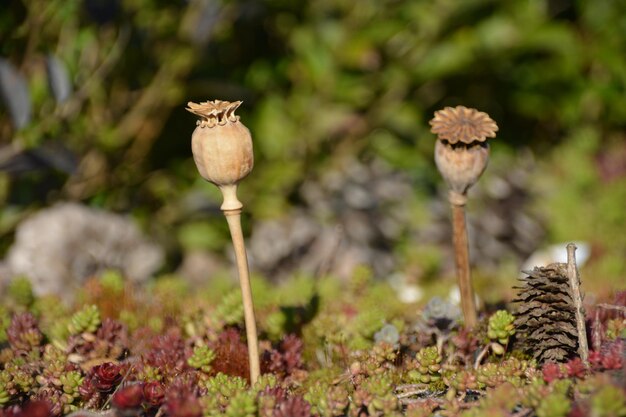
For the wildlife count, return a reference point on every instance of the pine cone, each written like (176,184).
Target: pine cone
(545,318)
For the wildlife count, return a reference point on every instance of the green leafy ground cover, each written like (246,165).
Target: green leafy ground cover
(327,349)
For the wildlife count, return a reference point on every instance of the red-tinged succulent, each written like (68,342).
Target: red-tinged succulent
(107,376)
(88,391)
(168,353)
(292,347)
(612,360)
(575,368)
(608,358)
(231,355)
(185,405)
(128,397)
(286,359)
(38,408)
(181,399)
(23,333)
(295,406)
(551,372)
(111,339)
(154,393)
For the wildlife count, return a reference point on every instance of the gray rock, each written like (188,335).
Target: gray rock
(60,247)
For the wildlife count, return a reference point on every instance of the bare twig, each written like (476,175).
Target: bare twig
(612,307)
(411,393)
(481,356)
(596,332)
(407,401)
(524,412)
(574,282)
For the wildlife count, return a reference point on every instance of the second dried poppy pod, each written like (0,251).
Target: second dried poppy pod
(221,146)
(461,155)
(462,152)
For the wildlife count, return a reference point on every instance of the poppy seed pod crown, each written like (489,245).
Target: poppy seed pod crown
(221,144)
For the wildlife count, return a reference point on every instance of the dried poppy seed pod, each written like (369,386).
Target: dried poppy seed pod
(222,147)
(461,166)
(222,150)
(462,153)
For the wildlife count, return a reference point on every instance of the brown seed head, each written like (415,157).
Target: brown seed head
(221,144)
(216,112)
(460,124)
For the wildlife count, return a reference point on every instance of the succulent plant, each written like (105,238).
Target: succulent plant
(608,401)
(224,388)
(327,400)
(201,358)
(243,404)
(23,334)
(128,398)
(388,334)
(85,320)
(154,393)
(616,329)
(555,404)
(441,314)
(5,386)
(294,406)
(463,380)
(230,309)
(71,381)
(501,326)
(20,290)
(426,366)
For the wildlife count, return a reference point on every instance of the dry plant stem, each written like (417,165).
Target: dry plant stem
(596,332)
(232,211)
(613,307)
(574,283)
(234,224)
(461,257)
(481,356)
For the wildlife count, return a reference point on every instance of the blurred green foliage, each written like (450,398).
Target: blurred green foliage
(321,81)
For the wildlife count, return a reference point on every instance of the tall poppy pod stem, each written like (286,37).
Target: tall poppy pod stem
(233,217)
(222,151)
(461,155)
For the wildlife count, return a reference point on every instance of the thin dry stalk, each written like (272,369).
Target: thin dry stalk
(574,282)
(612,307)
(461,257)
(231,208)
(234,224)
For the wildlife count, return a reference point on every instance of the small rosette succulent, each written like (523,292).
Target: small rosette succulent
(427,366)
(501,327)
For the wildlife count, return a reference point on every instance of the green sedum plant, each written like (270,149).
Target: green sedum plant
(426,366)
(86,320)
(501,329)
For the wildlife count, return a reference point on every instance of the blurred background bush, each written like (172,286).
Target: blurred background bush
(338,96)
